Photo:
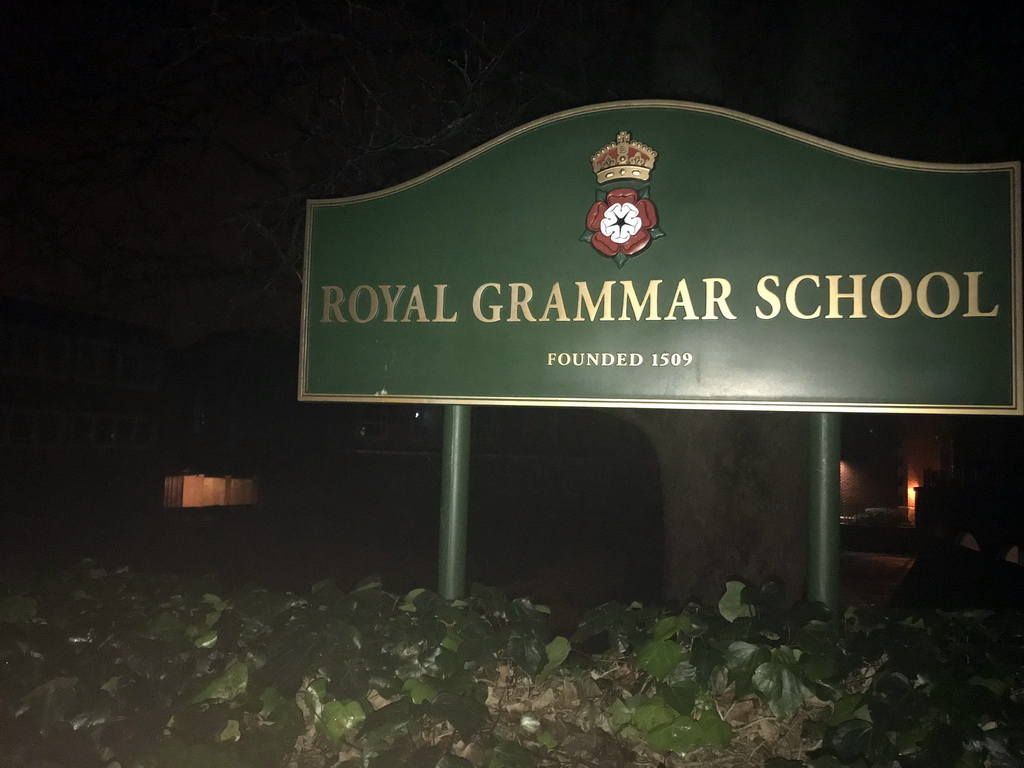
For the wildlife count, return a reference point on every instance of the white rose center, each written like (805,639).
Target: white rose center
(621,221)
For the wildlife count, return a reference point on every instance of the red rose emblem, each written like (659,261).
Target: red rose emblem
(621,223)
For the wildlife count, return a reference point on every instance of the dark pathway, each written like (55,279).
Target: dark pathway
(866,578)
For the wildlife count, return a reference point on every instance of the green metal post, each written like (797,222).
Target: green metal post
(823,515)
(454,502)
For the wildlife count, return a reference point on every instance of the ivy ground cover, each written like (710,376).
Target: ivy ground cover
(124,670)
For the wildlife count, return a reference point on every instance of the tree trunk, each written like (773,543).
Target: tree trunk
(735,498)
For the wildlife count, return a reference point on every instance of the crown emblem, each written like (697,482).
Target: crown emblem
(624,158)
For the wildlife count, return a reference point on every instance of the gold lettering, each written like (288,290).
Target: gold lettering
(972,297)
(857,296)
(390,302)
(952,294)
(439,314)
(775,306)
(353,303)
(333,296)
(682,299)
(716,298)
(906,295)
(791,297)
(495,308)
(521,295)
(629,298)
(415,305)
(555,303)
(603,299)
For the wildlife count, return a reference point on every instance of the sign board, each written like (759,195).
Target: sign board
(671,255)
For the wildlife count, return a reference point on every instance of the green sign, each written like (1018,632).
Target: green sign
(671,255)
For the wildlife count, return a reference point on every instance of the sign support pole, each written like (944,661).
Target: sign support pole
(823,515)
(454,502)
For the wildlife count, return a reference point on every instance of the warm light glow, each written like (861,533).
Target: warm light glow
(203,491)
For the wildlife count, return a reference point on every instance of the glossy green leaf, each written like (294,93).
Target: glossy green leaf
(419,691)
(231,732)
(339,717)
(742,659)
(732,606)
(782,689)
(215,602)
(681,698)
(452,640)
(206,640)
(680,735)
(848,707)
(713,730)
(557,652)
(668,627)
(653,715)
(227,686)
(659,657)
(315,694)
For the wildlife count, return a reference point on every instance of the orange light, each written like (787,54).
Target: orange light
(203,491)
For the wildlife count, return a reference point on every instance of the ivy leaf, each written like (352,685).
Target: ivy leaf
(340,717)
(215,602)
(713,730)
(851,739)
(679,736)
(384,726)
(206,640)
(659,657)
(653,715)
(680,697)
(18,609)
(419,691)
(228,686)
(848,708)
(315,694)
(166,627)
(667,628)
(782,689)
(732,606)
(621,713)
(742,659)
(230,732)
(557,651)
(271,700)
(466,716)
